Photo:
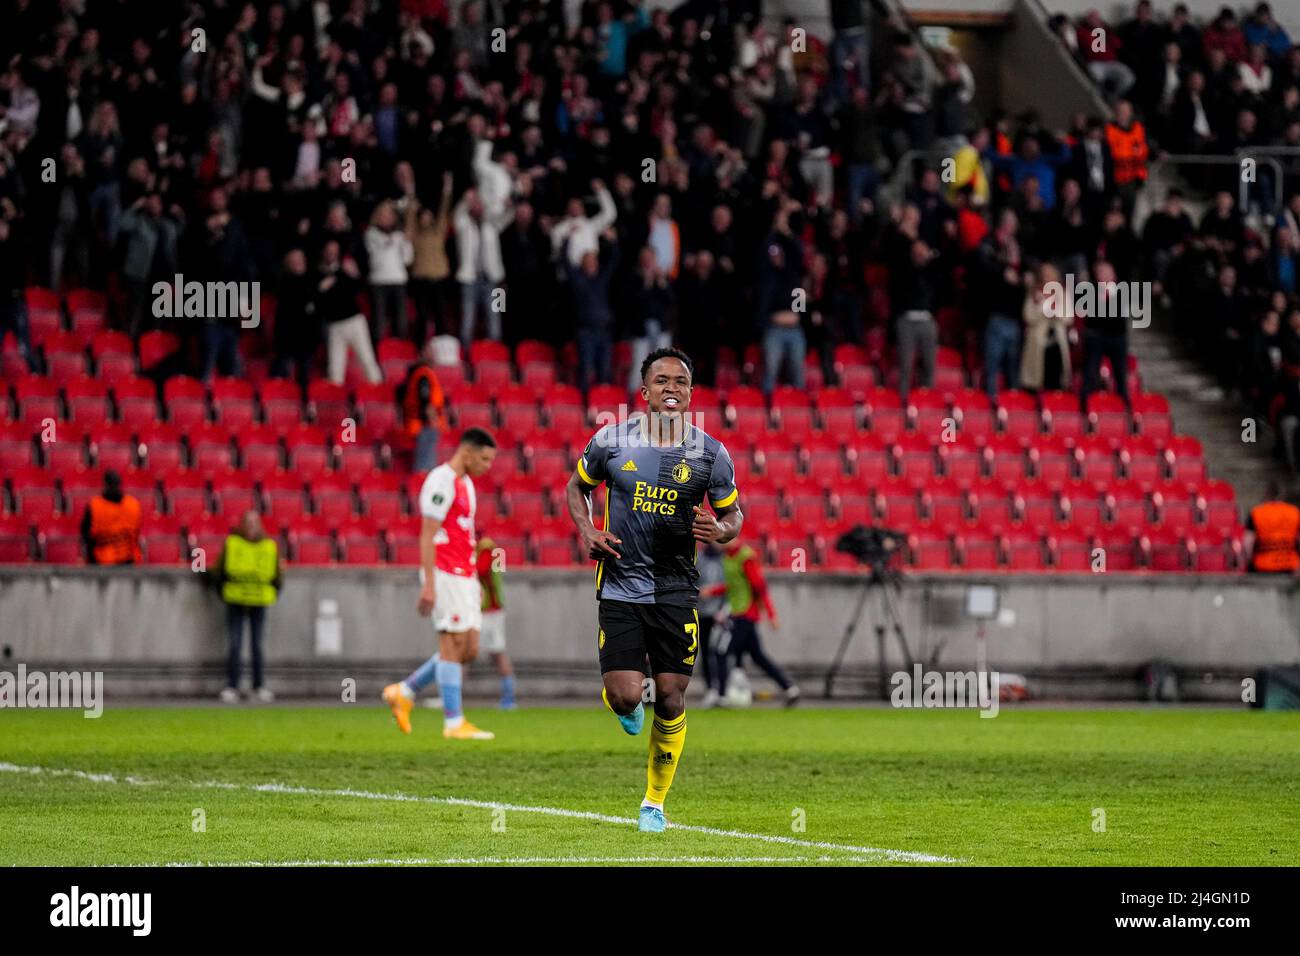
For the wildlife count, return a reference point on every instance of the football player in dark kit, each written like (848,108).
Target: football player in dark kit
(658,470)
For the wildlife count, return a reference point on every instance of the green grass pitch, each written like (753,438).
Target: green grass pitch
(835,786)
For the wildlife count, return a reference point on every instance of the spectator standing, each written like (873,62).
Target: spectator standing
(590,286)
(650,303)
(110,524)
(150,240)
(13,294)
(481,271)
(248,573)
(345,327)
(297,325)
(1045,362)
(1105,336)
(390,251)
(431,281)
(1002,292)
(912,295)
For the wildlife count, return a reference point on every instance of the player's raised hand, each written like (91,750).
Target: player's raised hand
(598,544)
(705,528)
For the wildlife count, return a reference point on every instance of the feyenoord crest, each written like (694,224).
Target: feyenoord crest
(681,473)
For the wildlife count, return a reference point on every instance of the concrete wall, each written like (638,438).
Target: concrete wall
(161,630)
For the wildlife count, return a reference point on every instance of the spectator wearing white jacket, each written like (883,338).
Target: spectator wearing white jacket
(481,271)
(390,250)
(577,233)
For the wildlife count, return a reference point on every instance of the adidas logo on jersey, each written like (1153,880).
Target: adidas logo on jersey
(630,465)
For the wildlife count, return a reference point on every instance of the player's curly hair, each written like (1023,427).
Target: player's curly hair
(671,352)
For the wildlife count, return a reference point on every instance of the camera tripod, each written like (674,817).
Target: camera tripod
(878,583)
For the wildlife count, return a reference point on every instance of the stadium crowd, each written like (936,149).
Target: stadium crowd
(617,175)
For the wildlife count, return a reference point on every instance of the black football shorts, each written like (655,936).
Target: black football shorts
(669,633)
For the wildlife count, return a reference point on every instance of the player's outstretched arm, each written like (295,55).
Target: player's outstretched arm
(597,543)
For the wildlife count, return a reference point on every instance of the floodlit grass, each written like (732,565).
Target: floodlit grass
(1177,787)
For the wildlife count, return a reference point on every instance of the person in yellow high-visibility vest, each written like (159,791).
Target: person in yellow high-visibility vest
(248,573)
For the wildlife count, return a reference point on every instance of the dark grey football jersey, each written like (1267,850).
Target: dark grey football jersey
(652,492)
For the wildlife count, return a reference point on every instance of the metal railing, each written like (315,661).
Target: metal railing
(1173,160)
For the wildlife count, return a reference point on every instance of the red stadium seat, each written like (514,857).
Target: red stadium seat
(1071,551)
(136,400)
(311,549)
(1121,550)
(927,409)
(67,450)
(1218,502)
(381,498)
(79,487)
(233,402)
(1006,459)
(823,457)
(946,504)
(1061,415)
(17,448)
(37,399)
(328,404)
(234,495)
(15,540)
(360,542)
(1024,551)
(61,541)
(839,411)
(854,509)
(1176,508)
(916,459)
(160,448)
(978,552)
(1126,504)
(34,495)
(929,551)
(1054,461)
(1151,416)
(332,499)
(1082,508)
(356,460)
(871,459)
(283,498)
(1096,460)
(993,507)
(974,414)
(1213,552)
(1187,459)
(161,543)
(88,402)
(1019,416)
(144,487)
(1143,460)
(186,497)
(186,402)
(1108,417)
(896,502)
(963,460)
(156,346)
(1037,508)
(1167,550)
(884,413)
(210,448)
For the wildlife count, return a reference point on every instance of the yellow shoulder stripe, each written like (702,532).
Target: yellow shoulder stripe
(582,473)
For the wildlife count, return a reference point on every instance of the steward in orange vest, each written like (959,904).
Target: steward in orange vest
(423,409)
(111,524)
(1273,529)
(1127,139)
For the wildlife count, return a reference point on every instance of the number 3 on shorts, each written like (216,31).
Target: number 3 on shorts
(693,629)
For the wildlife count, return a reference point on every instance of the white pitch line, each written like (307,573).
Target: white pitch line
(512,861)
(896,856)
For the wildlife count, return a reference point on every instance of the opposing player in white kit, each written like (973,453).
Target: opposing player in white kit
(449,584)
